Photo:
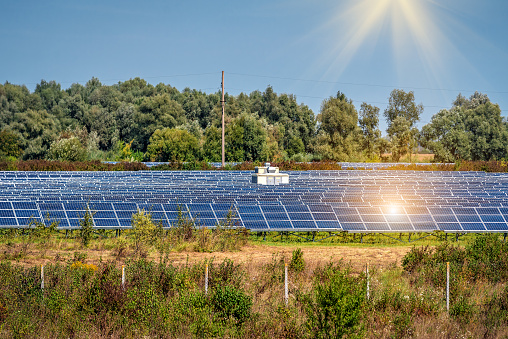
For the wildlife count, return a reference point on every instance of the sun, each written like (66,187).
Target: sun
(409,27)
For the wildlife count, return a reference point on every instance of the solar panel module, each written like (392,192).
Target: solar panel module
(346,200)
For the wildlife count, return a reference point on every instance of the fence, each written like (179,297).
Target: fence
(286,282)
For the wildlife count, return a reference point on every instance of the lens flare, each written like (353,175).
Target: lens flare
(410,27)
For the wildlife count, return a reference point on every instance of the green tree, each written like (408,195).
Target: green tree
(446,136)
(50,93)
(67,149)
(404,113)
(37,129)
(212,146)
(9,144)
(245,138)
(403,137)
(369,122)
(472,129)
(154,113)
(172,144)
(234,142)
(339,129)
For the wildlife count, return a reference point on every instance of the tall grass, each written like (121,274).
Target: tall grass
(245,300)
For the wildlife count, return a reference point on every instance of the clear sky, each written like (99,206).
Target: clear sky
(364,48)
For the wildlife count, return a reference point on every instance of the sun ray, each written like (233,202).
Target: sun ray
(417,39)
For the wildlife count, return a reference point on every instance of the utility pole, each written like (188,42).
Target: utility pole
(222,101)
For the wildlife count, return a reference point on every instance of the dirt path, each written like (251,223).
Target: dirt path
(357,256)
(253,254)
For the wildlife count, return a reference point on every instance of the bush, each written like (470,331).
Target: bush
(231,302)
(297,263)
(335,306)
(86,228)
(144,231)
(69,149)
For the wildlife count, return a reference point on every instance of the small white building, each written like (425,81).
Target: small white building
(269,175)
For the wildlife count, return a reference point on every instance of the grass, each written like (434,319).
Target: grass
(83,296)
(164,291)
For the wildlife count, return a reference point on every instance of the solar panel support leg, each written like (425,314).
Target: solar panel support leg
(361,238)
(264,236)
(409,237)
(313,236)
(456,237)
(504,237)
(66,233)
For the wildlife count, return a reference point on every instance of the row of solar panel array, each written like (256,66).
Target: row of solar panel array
(369,201)
(100,184)
(351,202)
(266,217)
(317,183)
(323,176)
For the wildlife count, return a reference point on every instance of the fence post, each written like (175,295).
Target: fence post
(123,276)
(286,296)
(448,286)
(42,277)
(368,282)
(206,279)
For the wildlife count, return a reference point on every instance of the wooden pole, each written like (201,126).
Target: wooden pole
(368,285)
(286,292)
(448,287)
(42,277)
(123,276)
(222,101)
(206,279)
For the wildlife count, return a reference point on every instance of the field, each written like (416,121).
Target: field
(164,293)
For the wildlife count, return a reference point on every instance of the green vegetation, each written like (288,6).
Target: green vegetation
(136,121)
(85,298)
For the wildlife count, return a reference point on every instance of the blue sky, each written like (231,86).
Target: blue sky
(364,48)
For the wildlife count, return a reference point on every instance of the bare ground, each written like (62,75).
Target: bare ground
(255,255)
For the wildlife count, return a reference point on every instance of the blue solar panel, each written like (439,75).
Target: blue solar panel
(397,200)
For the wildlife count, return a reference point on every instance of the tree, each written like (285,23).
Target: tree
(403,137)
(50,93)
(37,130)
(154,113)
(9,144)
(212,146)
(67,149)
(245,138)
(369,121)
(338,128)
(471,130)
(488,134)
(446,136)
(172,144)
(403,112)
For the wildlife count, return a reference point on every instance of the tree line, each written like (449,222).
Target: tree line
(136,121)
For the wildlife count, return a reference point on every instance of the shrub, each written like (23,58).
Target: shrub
(231,302)
(144,231)
(496,309)
(297,263)
(334,308)
(86,227)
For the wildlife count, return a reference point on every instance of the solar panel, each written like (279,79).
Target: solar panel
(356,201)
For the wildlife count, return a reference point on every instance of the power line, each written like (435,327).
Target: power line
(364,84)
(354,100)
(118,79)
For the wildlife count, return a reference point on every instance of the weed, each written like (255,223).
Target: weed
(86,227)
(334,308)
(144,231)
(297,263)
(231,302)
